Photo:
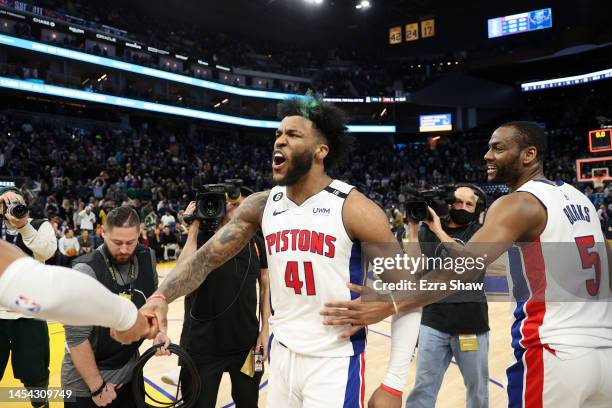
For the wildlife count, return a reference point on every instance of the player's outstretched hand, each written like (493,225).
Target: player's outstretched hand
(146,327)
(356,312)
(382,398)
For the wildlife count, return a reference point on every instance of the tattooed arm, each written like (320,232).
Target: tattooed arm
(188,275)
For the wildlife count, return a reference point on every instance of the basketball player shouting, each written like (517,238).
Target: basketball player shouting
(51,292)
(312,226)
(563,349)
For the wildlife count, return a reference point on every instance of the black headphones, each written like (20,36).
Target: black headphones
(481,203)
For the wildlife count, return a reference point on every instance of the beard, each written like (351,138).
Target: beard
(300,166)
(126,261)
(119,261)
(507,174)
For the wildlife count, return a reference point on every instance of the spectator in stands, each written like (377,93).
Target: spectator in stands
(98,239)
(69,248)
(169,244)
(66,211)
(76,216)
(98,186)
(143,237)
(51,209)
(168,219)
(602,213)
(85,242)
(155,241)
(87,219)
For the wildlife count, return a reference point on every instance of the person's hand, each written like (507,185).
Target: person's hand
(190,210)
(434,224)
(107,396)
(356,313)
(262,342)
(382,398)
(146,327)
(157,308)
(162,338)
(5,200)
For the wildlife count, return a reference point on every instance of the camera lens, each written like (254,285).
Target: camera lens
(18,210)
(210,209)
(419,212)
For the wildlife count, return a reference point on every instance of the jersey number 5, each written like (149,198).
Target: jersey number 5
(292,278)
(590,260)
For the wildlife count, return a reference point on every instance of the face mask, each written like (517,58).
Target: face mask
(462,217)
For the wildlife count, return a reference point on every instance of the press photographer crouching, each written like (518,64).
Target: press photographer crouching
(27,339)
(221,331)
(97,368)
(458,326)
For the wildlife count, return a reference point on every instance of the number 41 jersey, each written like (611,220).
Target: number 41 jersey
(561,281)
(311,259)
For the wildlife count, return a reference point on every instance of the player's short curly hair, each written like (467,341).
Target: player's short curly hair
(328,119)
(529,134)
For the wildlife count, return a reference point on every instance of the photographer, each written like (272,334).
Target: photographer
(458,326)
(26,339)
(221,328)
(96,367)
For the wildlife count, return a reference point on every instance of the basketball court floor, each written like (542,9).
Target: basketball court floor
(452,393)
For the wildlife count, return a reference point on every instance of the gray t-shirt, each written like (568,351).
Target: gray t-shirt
(75,335)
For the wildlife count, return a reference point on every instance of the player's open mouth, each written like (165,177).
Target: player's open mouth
(491,169)
(278,160)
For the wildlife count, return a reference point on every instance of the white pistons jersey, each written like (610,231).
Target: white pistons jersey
(561,281)
(311,259)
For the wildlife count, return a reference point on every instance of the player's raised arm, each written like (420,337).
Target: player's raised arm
(226,243)
(517,217)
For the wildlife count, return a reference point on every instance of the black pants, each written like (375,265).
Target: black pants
(28,340)
(245,390)
(125,399)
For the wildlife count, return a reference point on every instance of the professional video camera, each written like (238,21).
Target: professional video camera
(438,198)
(211,201)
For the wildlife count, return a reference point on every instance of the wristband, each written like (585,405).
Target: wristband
(158,295)
(99,390)
(391,390)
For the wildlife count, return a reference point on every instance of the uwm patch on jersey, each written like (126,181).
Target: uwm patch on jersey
(311,258)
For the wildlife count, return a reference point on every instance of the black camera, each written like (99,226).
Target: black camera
(437,198)
(17,210)
(211,201)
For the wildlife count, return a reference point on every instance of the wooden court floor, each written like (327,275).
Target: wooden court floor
(452,393)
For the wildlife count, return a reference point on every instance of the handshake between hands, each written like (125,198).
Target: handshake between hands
(151,323)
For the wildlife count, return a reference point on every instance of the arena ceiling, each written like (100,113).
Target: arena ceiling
(338,22)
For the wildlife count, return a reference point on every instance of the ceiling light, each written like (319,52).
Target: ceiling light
(363,4)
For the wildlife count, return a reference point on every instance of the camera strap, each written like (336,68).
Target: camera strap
(242,283)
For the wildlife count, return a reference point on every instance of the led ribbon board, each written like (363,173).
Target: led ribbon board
(19,85)
(138,69)
(567,81)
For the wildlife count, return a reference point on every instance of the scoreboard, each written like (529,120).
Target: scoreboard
(600,140)
(520,23)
